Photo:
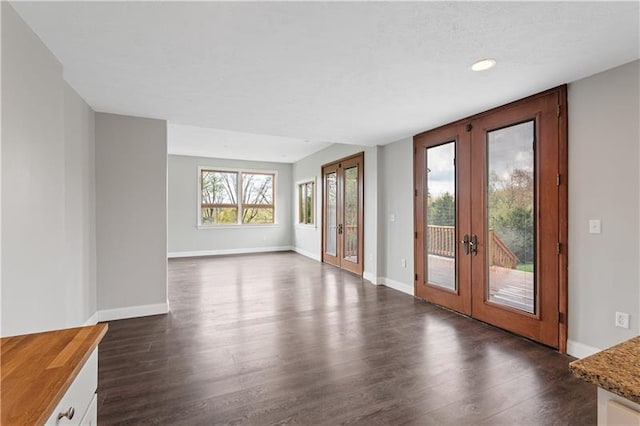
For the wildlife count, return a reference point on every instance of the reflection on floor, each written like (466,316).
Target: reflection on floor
(282,339)
(510,287)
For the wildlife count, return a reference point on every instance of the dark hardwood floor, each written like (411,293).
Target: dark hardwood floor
(281,339)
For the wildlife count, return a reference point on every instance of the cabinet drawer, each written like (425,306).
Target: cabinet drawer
(79,395)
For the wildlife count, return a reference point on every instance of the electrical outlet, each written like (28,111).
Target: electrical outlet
(622,320)
(403,262)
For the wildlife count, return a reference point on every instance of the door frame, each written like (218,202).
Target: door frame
(562,181)
(338,260)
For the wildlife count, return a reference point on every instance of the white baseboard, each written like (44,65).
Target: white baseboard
(397,285)
(176,254)
(580,350)
(93,319)
(133,312)
(372,278)
(307,254)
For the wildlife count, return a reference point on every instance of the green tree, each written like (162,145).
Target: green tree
(511,211)
(441,211)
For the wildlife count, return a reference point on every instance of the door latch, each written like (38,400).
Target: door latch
(473,245)
(465,242)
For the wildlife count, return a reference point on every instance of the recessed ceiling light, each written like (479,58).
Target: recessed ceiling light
(483,64)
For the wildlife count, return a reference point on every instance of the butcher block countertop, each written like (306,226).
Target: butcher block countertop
(37,369)
(616,369)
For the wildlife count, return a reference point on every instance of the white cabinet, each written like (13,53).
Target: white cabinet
(615,410)
(78,406)
(91,416)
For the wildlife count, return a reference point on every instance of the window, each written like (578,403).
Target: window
(306,202)
(236,197)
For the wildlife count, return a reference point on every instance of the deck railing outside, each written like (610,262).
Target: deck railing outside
(442,242)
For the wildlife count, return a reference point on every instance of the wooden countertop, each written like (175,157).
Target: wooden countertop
(616,369)
(37,369)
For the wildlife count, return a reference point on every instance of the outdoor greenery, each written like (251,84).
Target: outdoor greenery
(526,267)
(305,203)
(511,212)
(220,189)
(441,211)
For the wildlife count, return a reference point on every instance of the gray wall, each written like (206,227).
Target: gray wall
(184,236)
(397,201)
(48,279)
(80,206)
(603,181)
(604,160)
(131,207)
(308,240)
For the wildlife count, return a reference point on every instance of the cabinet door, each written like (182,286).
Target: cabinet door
(79,396)
(91,416)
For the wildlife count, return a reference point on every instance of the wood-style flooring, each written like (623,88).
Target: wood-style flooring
(281,339)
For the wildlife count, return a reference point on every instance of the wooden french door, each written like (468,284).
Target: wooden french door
(343,213)
(490,217)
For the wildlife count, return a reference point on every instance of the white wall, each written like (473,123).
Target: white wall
(131,215)
(47,215)
(603,184)
(184,236)
(308,240)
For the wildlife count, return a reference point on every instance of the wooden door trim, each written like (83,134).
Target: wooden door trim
(563,218)
(460,299)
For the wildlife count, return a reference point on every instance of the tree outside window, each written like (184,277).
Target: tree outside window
(236,197)
(306,196)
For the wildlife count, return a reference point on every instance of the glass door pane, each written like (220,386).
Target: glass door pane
(351,214)
(331,185)
(510,247)
(440,243)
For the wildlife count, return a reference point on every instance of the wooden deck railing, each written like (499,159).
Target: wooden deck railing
(351,240)
(442,242)
(499,253)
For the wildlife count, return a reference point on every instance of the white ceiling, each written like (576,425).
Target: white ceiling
(365,73)
(205,142)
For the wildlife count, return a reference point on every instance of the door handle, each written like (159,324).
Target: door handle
(340,229)
(473,245)
(465,242)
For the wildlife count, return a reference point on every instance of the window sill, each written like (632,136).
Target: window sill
(303,226)
(254,226)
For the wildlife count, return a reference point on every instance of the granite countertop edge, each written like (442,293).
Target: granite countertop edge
(616,369)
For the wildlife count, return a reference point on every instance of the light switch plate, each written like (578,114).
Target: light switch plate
(594,226)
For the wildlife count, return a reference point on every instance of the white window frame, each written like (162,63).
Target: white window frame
(313,225)
(238,224)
